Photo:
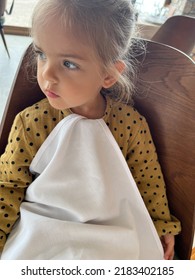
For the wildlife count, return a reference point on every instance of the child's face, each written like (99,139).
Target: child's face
(69,73)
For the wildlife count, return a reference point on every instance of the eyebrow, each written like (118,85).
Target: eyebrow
(67,55)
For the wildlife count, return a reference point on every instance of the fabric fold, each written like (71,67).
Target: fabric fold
(84,203)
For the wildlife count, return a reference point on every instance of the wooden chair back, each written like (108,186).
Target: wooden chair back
(178,32)
(24,92)
(166,97)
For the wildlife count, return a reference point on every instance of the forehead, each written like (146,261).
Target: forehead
(59,37)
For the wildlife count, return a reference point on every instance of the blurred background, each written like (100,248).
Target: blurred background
(155,11)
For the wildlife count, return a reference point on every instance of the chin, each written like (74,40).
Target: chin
(57,105)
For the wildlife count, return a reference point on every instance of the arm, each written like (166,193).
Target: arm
(143,163)
(14,177)
(30,129)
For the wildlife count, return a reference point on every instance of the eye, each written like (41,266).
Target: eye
(70,65)
(40,55)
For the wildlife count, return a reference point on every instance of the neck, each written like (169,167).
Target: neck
(93,110)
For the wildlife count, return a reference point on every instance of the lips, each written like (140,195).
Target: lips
(51,94)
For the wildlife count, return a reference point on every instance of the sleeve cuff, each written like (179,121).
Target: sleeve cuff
(172,226)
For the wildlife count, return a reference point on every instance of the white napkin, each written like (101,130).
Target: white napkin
(84,203)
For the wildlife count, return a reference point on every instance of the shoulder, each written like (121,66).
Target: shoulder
(42,112)
(126,124)
(41,108)
(39,119)
(124,114)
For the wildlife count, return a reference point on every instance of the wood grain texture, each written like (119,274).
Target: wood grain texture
(24,92)
(166,97)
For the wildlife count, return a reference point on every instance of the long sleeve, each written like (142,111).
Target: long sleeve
(143,163)
(14,177)
(133,136)
(30,129)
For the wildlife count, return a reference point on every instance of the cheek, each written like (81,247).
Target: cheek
(39,79)
(40,82)
(88,80)
(39,75)
(38,68)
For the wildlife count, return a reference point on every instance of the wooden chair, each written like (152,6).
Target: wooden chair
(165,96)
(24,92)
(178,32)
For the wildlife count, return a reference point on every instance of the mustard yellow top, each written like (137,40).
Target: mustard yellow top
(32,126)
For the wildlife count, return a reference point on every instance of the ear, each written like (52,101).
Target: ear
(114,73)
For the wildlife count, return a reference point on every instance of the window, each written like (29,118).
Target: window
(157,11)
(21,14)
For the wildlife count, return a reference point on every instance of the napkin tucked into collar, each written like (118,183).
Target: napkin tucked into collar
(84,203)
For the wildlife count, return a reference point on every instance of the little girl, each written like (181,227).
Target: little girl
(81,49)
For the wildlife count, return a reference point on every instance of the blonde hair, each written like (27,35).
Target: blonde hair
(109,26)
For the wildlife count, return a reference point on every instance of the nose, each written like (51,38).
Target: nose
(49,73)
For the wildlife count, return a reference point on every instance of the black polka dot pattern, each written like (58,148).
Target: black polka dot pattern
(32,126)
